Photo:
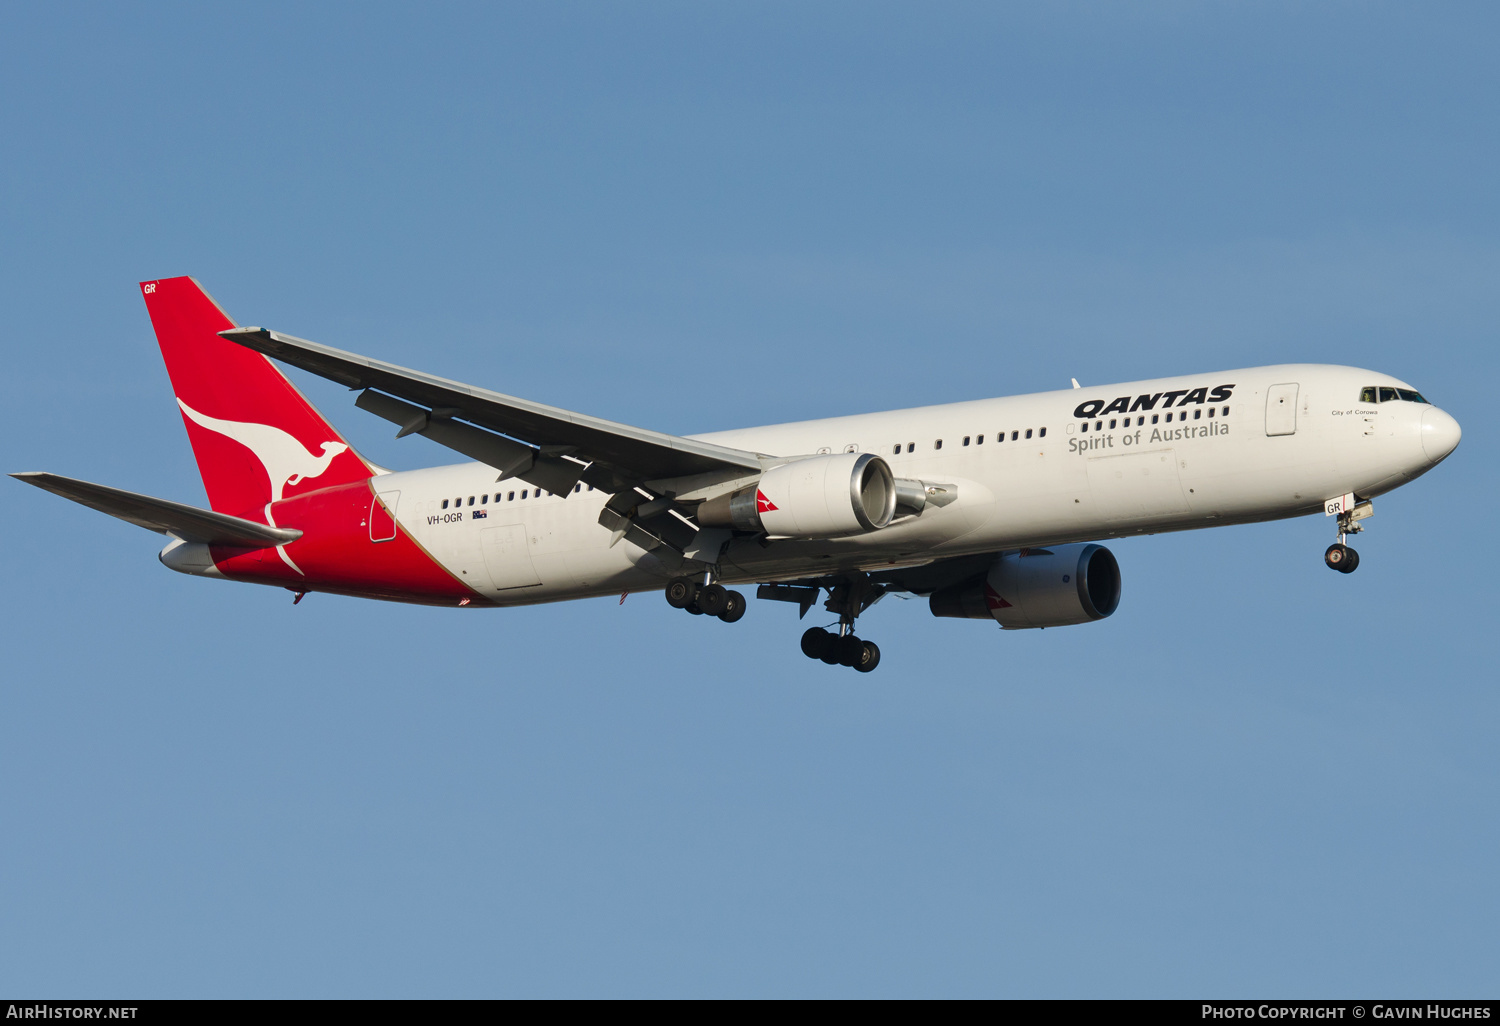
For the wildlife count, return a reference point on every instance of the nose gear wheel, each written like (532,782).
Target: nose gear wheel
(1342,558)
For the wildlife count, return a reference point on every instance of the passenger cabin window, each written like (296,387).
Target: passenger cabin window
(979,440)
(897,450)
(1014,435)
(938,444)
(445,503)
(510,496)
(471,500)
(1044,432)
(1111,427)
(1028,432)
(911,446)
(966,439)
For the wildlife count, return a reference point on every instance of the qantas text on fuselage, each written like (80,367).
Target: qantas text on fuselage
(1149,401)
(992,509)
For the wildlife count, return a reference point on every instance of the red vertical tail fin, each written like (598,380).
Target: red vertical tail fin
(256,438)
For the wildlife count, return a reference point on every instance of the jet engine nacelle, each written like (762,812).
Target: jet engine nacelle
(817,497)
(1054,587)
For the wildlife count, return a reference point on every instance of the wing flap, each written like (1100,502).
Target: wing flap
(513,459)
(163,516)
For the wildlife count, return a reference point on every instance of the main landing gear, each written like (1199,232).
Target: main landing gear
(840,650)
(705,599)
(848,599)
(847,596)
(1339,555)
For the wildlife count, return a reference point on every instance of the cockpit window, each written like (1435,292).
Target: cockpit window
(1382,394)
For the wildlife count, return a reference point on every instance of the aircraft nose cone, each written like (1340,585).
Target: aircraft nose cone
(1440,434)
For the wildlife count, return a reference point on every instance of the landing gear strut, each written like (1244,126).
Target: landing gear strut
(705,599)
(848,599)
(1340,556)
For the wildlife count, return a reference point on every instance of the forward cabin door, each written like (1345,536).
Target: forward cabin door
(507,557)
(1281,409)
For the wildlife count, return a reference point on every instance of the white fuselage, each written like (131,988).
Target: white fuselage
(1286,439)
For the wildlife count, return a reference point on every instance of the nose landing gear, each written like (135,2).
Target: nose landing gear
(1340,556)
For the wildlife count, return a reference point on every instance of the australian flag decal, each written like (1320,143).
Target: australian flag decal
(478,514)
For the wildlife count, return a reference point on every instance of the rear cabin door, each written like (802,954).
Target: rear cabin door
(383,516)
(1281,409)
(507,557)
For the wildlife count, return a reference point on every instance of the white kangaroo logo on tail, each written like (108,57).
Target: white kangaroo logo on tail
(284,458)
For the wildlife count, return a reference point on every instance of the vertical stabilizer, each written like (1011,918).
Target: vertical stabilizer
(256,438)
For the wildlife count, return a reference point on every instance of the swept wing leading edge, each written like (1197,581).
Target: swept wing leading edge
(557,443)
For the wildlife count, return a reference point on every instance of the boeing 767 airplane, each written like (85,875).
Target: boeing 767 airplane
(993,509)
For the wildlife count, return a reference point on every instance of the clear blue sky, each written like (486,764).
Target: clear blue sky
(1257,778)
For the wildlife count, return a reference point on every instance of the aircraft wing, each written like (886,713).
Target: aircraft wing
(174,518)
(545,445)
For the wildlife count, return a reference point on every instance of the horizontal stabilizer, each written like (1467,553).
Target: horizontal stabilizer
(174,518)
